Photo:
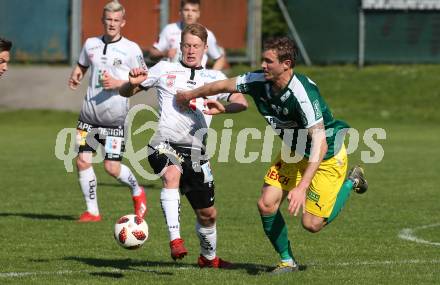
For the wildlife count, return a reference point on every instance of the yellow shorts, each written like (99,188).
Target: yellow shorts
(321,195)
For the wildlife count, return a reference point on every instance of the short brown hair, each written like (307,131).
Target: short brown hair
(285,48)
(5,45)
(196,30)
(193,2)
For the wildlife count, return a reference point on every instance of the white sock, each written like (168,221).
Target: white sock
(127,177)
(208,240)
(170,203)
(87,181)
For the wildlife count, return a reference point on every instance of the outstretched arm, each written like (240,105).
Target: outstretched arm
(135,78)
(216,87)
(237,103)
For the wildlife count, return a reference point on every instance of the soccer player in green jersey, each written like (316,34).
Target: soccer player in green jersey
(292,105)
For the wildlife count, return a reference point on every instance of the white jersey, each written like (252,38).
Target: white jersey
(106,107)
(178,126)
(170,37)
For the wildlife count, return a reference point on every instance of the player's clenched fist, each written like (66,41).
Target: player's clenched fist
(75,79)
(137,76)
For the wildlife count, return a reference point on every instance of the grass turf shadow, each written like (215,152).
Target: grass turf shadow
(132,264)
(40,216)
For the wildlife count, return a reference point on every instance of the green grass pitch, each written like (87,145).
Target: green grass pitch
(39,201)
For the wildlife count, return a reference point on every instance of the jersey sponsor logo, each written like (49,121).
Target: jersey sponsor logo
(209,74)
(191,82)
(116,50)
(274,175)
(313,196)
(94,47)
(207,173)
(84,126)
(317,108)
(276,108)
(99,79)
(113,145)
(278,124)
(119,132)
(141,62)
(171,80)
(285,97)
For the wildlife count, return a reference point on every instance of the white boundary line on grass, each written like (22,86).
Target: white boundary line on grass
(409,234)
(338,264)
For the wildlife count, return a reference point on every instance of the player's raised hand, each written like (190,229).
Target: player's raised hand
(214,107)
(297,200)
(137,76)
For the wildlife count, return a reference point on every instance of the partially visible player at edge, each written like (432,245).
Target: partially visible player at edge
(101,120)
(168,43)
(291,103)
(176,150)
(5,48)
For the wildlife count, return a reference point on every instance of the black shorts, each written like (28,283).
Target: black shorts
(196,180)
(89,137)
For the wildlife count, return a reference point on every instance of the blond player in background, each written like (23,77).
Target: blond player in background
(101,121)
(168,44)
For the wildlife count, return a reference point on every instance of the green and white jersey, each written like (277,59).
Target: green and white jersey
(293,110)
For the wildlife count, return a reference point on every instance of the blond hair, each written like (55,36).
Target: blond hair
(114,6)
(195,30)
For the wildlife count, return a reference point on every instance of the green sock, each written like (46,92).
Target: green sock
(275,228)
(342,197)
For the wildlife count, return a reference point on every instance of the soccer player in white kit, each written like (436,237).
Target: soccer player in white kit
(101,120)
(176,151)
(168,44)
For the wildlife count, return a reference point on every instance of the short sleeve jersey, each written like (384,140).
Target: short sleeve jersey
(170,37)
(106,107)
(185,128)
(296,108)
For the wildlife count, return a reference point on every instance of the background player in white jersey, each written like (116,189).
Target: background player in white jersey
(291,104)
(168,44)
(103,113)
(5,48)
(177,148)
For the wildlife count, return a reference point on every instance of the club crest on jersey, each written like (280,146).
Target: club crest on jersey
(117,62)
(171,79)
